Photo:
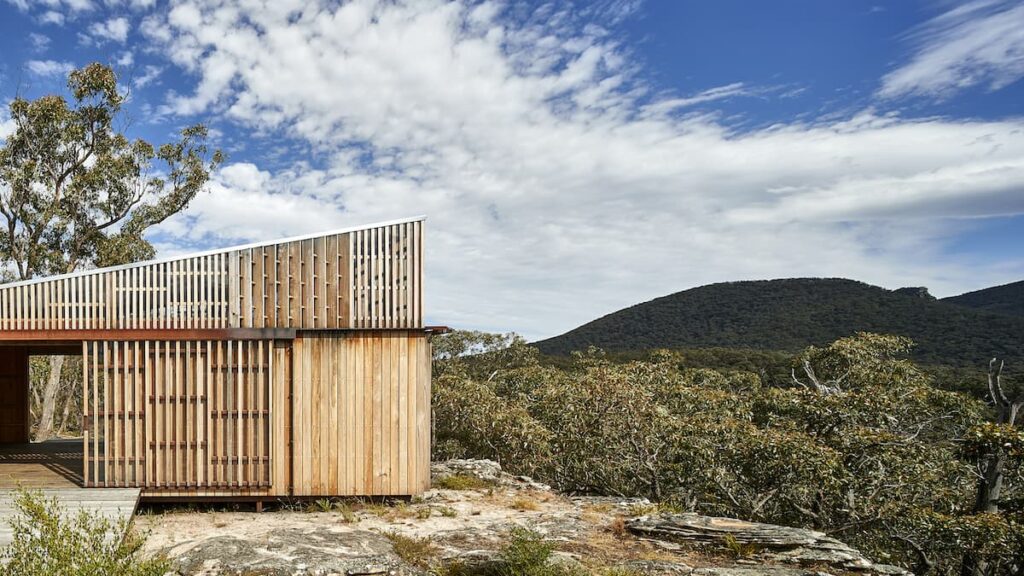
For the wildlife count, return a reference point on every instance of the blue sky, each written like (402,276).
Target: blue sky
(575,158)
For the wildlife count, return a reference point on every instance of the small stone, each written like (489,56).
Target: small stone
(367,570)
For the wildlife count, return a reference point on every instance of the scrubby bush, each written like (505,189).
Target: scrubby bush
(858,443)
(418,552)
(48,541)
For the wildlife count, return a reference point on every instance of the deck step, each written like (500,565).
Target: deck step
(113,503)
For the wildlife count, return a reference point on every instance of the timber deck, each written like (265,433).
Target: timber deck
(117,504)
(55,464)
(54,468)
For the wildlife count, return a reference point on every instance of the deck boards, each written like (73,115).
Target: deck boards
(54,468)
(113,503)
(50,464)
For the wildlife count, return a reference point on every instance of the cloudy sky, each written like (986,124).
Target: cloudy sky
(573,158)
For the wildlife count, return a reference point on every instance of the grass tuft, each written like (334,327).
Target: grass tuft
(414,551)
(522,503)
(738,549)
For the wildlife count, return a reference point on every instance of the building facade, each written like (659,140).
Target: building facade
(299,367)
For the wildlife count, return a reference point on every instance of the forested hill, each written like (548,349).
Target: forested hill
(1006,299)
(794,313)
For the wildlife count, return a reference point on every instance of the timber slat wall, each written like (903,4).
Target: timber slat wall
(178,415)
(178,409)
(186,293)
(362,423)
(370,278)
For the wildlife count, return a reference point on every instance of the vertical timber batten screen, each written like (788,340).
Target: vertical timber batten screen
(290,368)
(185,293)
(368,279)
(178,415)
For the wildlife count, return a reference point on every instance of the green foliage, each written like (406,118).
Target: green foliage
(417,552)
(68,421)
(866,448)
(320,505)
(483,420)
(992,438)
(48,541)
(528,554)
(447,511)
(348,515)
(739,549)
(462,482)
(75,191)
(792,314)
(1007,299)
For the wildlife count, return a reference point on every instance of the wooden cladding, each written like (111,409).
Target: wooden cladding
(387,277)
(179,415)
(328,414)
(187,293)
(361,414)
(369,278)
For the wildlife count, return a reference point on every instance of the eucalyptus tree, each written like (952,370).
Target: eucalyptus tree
(76,192)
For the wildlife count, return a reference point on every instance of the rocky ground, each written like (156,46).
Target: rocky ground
(463,525)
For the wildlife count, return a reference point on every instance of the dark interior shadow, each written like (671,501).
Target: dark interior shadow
(61,457)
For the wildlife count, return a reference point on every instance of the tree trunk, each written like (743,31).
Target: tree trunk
(990,485)
(44,430)
(989,488)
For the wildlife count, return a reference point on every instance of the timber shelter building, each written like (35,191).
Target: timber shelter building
(292,368)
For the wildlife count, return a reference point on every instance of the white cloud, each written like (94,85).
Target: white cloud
(49,67)
(114,29)
(68,5)
(557,187)
(52,17)
(133,4)
(56,12)
(710,95)
(149,74)
(978,43)
(7,125)
(40,42)
(73,5)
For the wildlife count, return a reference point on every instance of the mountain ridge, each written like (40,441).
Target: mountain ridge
(1006,299)
(790,314)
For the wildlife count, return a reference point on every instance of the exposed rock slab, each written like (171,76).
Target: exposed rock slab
(770,543)
(755,571)
(290,552)
(656,567)
(486,470)
(471,527)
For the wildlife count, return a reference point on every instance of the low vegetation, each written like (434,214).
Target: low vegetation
(50,541)
(526,553)
(858,442)
(418,552)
